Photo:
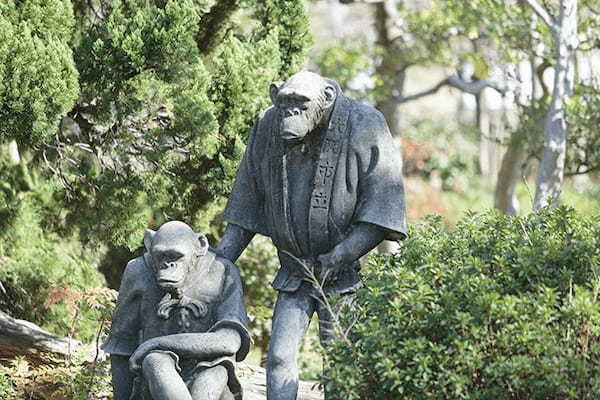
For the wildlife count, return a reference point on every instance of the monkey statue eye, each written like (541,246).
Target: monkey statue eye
(174,256)
(168,256)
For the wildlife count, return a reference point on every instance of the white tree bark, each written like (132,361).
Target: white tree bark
(13,153)
(551,173)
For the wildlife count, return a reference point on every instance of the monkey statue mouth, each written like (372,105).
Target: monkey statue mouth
(292,137)
(170,284)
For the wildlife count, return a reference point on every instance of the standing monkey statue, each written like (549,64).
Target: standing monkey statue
(321,177)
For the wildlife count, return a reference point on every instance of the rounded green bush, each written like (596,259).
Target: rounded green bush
(501,308)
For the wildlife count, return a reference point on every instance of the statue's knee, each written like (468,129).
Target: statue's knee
(281,360)
(219,373)
(154,362)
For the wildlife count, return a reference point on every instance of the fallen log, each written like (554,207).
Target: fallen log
(23,338)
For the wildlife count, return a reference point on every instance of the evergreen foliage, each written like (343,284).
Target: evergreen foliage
(127,114)
(500,308)
(38,79)
(161,117)
(162,120)
(41,272)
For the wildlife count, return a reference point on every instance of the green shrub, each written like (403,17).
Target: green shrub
(500,308)
(73,379)
(46,278)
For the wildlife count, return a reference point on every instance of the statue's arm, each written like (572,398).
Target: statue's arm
(202,346)
(235,239)
(362,238)
(122,378)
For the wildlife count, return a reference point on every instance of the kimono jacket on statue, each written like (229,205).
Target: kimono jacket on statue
(307,199)
(214,281)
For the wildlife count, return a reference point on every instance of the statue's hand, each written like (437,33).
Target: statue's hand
(136,359)
(331,264)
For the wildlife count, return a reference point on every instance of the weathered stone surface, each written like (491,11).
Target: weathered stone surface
(321,176)
(180,323)
(254,381)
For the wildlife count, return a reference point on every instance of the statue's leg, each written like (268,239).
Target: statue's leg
(290,321)
(327,328)
(163,379)
(210,383)
(325,311)
(122,378)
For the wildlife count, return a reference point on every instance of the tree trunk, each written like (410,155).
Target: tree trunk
(392,68)
(551,172)
(23,338)
(509,174)
(13,153)
(336,17)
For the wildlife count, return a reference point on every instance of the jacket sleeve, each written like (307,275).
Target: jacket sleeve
(380,188)
(123,338)
(245,206)
(231,311)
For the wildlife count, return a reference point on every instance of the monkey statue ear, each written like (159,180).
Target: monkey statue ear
(330,95)
(203,244)
(274,91)
(148,235)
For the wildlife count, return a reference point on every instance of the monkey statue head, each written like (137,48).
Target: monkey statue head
(174,249)
(304,102)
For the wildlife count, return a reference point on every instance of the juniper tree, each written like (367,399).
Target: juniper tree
(129,113)
(141,109)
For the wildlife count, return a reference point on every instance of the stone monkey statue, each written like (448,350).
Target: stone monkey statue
(180,322)
(321,176)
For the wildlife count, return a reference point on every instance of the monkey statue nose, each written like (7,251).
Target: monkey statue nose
(292,112)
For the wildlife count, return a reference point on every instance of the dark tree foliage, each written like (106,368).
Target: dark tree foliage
(166,92)
(125,114)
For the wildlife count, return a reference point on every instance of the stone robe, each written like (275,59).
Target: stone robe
(214,281)
(308,198)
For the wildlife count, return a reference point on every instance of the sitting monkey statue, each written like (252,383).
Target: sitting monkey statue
(180,322)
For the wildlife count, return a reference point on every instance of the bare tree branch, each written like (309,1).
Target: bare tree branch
(591,8)
(433,90)
(361,1)
(542,13)
(472,87)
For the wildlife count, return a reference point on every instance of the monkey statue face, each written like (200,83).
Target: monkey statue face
(304,102)
(175,248)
